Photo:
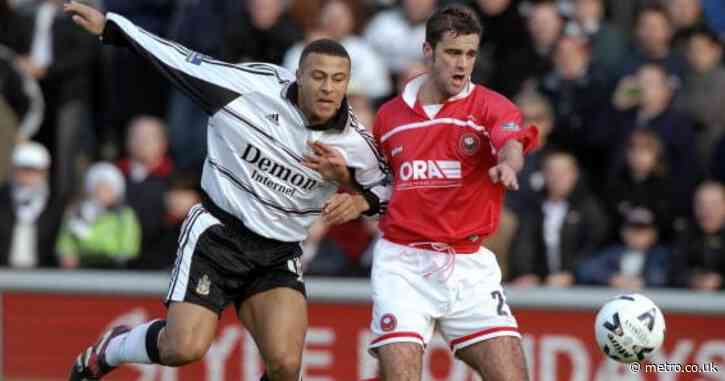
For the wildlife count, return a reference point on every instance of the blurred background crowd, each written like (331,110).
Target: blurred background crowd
(101,158)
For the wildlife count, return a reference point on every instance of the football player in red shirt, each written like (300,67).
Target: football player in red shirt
(453,148)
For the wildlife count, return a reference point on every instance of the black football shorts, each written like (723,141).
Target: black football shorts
(220,261)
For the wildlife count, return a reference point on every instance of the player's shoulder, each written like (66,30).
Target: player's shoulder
(358,142)
(392,106)
(493,102)
(492,97)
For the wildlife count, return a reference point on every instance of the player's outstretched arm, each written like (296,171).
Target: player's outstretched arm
(87,17)
(510,162)
(209,83)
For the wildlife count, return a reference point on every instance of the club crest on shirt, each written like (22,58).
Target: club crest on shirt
(469,143)
(388,322)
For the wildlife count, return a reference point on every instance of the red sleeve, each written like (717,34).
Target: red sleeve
(506,123)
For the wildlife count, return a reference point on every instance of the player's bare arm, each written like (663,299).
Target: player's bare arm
(344,207)
(87,17)
(510,162)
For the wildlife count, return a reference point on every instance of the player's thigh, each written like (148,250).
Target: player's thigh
(401,361)
(190,329)
(195,297)
(497,359)
(480,311)
(277,320)
(405,303)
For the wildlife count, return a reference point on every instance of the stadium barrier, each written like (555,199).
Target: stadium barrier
(49,316)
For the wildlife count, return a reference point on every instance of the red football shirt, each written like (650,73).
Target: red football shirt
(441,189)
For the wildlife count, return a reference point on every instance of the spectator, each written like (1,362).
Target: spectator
(100,231)
(699,259)
(385,29)
(61,59)
(182,194)
(126,99)
(642,182)
(646,101)
(607,42)
(524,66)
(263,33)
(200,26)
(22,107)
(703,90)
(653,43)
(368,70)
(505,35)
(537,111)
(566,227)
(624,13)
(30,215)
(15,30)
(320,254)
(147,170)
(686,16)
(578,91)
(639,262)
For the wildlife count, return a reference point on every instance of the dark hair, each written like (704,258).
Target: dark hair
(654,8)
(706,32)
(457,19)
(325,46)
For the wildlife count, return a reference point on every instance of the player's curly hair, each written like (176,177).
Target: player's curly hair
(458,19)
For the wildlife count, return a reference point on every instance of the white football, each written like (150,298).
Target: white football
(629,328)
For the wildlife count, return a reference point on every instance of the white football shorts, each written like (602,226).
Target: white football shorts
(414,289)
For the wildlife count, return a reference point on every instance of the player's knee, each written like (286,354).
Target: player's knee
(183,349)
(284,367)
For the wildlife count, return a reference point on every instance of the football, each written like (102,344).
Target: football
(629,328)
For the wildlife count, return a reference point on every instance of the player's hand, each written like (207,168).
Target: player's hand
(562,279)
(328,162)
(343,207)
(88,17)
(505,175)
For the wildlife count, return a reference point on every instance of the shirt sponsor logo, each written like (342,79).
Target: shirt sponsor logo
(511,127)
(274,175)
(430,170)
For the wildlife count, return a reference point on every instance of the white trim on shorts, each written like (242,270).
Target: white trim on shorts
(395,337)
(482,335)
(198,220)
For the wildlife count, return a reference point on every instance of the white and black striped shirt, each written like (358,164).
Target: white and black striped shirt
(257,137)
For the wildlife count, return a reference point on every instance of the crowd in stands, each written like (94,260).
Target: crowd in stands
(101,158)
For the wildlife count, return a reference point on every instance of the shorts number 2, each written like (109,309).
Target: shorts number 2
(501,303)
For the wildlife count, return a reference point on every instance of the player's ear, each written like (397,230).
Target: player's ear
(298,74)
(428,52)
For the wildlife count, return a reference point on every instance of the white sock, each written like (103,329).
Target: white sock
(129,347)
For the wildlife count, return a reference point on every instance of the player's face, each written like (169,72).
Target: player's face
(322,81)
(452,61)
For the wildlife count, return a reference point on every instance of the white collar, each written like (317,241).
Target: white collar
(410,92)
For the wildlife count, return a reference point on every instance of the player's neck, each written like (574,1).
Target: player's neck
(431,94)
